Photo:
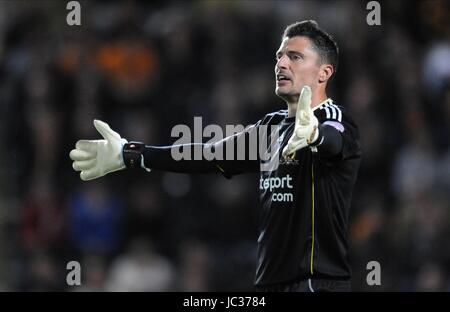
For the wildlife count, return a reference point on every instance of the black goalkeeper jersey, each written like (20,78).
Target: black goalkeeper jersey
(305,202)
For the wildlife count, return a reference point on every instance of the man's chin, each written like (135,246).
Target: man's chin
(280,92)
(283,94)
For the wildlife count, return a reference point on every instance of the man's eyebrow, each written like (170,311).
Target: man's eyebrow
(290,52)
(293,52)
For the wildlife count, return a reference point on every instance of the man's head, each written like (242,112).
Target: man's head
(307,56)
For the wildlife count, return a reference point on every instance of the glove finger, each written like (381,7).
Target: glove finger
(304,119)
(294,146)
(106,132)
(78,154)
(300,132)
(84,164)
(304,101)
(286,151)
(89,174)
(299,144)
(304,106)
(87,146)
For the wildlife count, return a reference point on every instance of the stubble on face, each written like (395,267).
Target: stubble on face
(299,62)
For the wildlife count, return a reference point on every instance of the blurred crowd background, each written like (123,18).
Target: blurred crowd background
(145,68)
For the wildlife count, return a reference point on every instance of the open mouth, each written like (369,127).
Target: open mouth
(282,79)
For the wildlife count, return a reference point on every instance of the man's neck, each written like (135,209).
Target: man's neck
(315,101)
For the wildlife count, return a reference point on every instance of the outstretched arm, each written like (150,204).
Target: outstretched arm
(96,158)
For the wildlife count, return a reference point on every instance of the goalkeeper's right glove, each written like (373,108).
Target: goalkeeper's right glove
(96,158)
(306,130)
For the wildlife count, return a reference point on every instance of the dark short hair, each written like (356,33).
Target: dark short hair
(323,43)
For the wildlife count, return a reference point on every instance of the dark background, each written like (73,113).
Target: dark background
(145,68)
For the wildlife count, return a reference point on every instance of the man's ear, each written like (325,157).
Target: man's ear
(325,72)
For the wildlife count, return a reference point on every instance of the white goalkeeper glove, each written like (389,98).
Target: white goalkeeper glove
(96,158)
(306,126)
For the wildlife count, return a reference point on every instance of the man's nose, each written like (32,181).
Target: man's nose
(282,62)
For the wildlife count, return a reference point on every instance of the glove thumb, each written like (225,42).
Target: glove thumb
(106,132)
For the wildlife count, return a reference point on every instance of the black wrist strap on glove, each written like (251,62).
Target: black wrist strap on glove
(133,155)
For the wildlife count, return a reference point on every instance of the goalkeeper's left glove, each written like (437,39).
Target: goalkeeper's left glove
(306,130)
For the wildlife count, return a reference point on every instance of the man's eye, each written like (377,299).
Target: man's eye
(296,57)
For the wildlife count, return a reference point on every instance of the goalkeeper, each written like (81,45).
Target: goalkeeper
(305,200)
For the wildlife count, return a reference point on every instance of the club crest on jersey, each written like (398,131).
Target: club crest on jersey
(289,162)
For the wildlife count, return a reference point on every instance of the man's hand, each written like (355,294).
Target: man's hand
(95,158)
(305,131)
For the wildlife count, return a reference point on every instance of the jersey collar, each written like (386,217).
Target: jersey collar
(292,119)
(327,101)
